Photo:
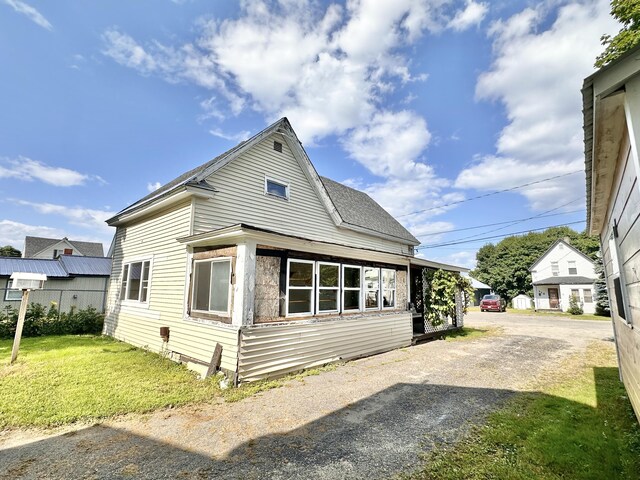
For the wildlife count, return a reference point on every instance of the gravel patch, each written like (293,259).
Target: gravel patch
(370,418)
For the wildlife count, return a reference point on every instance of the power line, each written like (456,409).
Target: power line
(497,223)
(436,245)
(519,221)
(490,193)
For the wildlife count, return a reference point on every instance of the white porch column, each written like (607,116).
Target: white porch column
(245,284)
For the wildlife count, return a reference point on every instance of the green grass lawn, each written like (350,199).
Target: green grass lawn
(580,426)
(62,379)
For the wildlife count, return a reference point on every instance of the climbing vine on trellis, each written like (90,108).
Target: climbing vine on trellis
(439,288)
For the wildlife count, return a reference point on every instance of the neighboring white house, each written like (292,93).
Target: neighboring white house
(41,247)
(560,273)
(254,251)
(611,99)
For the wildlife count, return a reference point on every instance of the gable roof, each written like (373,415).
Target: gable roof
(35,245)
(62,267)
(349,208)
(553,245)
(359,209)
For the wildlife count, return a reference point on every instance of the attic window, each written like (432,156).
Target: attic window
(277,146)
(276,188)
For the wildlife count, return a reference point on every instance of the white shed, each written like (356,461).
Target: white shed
(521,302)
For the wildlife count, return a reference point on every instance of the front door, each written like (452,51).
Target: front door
(553,298)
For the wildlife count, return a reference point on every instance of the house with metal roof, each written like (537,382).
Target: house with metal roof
(254,263)
(41,247)
(560,273)
(73,282)
(611,108)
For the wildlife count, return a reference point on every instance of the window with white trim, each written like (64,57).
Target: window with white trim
(276,188)
(371,288)
(573,270)
(12,295)
(588,297)
(555,270)
(388,288)
(351,288)
(135,281)
(328,287)
(300,287)
(575,294)
(211,286)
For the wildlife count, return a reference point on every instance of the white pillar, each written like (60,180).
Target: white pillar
(245,284)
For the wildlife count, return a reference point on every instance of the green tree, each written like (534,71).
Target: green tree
(9,251)
(602,296)
(505,266)
(627,12)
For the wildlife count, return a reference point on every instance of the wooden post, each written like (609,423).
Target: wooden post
(21,315)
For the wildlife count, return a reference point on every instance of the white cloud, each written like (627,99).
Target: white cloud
(31,13)
(24,168)
(234,137)
(79,216)
(537,76)
(329,69)
(471,16)
(13,233)
(152,187)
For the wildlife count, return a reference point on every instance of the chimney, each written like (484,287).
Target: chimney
(567,240)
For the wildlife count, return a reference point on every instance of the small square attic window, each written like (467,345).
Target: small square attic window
(276,188)
(277,146)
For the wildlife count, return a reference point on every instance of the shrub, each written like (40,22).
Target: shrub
(574,306)
(38,321)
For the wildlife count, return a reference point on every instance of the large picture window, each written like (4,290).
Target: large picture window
(135,281)
(212,285)
(300,287)
(328,287)
(351,288)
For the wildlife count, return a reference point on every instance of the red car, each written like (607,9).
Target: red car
(494,303)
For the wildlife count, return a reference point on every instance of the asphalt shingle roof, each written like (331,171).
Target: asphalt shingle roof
(570,280)
(359,209)
(34,245)
(355,207)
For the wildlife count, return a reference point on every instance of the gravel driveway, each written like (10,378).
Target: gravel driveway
(367,419)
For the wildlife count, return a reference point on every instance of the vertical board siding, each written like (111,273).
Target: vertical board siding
(155,238)
(240,198)
(624,208)
(277,350)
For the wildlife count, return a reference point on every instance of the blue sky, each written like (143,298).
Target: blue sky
(420,103)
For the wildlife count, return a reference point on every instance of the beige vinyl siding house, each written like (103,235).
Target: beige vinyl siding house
(253,251)
(611,99)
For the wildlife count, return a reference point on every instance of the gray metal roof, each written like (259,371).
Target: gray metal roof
(570,280)
(64,266)
(359,209)
(34,245)
(51,268)
(77,265)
